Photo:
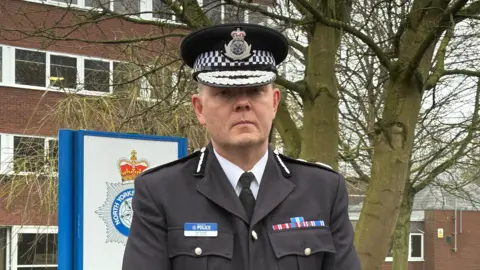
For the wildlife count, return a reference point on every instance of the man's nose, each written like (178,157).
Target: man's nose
(242,102)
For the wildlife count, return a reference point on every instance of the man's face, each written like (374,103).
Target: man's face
(237,117)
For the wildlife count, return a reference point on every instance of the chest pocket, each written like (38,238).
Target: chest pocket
(200,253)
(303,249)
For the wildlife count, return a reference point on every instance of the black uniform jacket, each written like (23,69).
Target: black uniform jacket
(195,189)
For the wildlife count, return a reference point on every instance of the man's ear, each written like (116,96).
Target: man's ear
(197,103)
(276,99)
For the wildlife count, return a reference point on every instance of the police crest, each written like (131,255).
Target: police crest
(238,48)
(117,212)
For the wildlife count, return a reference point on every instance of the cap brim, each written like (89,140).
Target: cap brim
(236,78)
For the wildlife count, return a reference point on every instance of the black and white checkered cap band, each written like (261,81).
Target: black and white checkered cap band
(217,59)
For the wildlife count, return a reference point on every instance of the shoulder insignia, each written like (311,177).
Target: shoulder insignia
(168,164)
(304,162)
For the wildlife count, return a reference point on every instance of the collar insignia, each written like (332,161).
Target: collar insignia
(238,48)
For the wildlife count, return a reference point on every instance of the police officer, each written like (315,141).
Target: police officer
(237,204)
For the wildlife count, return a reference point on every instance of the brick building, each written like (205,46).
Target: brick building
(30,68)
(444,229)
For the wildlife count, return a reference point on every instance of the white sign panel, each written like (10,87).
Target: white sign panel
(104,196)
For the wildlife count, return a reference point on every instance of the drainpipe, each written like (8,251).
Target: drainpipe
(456,234)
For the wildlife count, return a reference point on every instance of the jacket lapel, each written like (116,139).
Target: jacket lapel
(216,187)
(274,188)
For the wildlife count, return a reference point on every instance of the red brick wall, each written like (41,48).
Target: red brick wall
(23,111)
(30,17)
(32,204)
(440,253)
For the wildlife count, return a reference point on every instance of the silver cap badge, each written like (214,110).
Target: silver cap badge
(238,48)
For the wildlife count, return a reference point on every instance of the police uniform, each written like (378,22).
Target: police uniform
(187,213)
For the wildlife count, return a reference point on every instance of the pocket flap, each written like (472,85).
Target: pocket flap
(302,242)
(221,245)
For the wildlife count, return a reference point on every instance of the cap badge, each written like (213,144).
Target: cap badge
(238,48)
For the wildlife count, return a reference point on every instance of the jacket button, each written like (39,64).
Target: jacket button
(308,251)
(254,235)
(198,251)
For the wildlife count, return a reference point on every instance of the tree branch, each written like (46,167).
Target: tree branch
(427,42)
(254,8)
(298,87)
(468,12)
(440,68)
(349,29)
(298,46)
(364,177)
(463,146)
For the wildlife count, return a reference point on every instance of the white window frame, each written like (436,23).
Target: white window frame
(15,230)
(413,259)
(146,9)
(8,76)
(7,153)
(8,247)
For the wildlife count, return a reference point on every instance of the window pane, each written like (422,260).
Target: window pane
(161,11)
(37,249)
(30,67)
(131,7)
(162,84)
(233,14)
(63,71)
(416,248)
(97,75)
(29,154)
(97,3)
(213,9)
(125,78)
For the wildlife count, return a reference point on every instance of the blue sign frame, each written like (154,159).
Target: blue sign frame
(70,189)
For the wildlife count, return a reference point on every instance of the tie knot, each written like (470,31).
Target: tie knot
(246,179)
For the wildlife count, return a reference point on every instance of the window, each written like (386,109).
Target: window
(213,9)
(233,14)
(131,7)
(30,67)
(162,11)
(126,78)
(36,248)
(97,75)
(97,3)
(29,154)
(415,250)
(63,71)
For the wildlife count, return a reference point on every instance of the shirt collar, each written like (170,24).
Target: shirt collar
(233,172)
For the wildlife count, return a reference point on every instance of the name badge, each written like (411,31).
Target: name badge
(200,230)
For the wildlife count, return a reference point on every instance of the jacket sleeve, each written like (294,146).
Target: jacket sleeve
(146,247)
(346,257)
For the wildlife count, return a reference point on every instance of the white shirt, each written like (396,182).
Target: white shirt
(233,173)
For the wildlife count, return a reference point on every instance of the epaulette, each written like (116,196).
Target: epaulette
(304,162)
(168,164)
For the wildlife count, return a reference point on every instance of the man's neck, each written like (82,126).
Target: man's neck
(243,157)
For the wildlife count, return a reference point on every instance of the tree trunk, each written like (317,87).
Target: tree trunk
(401,236)
(394,135)
(320,104)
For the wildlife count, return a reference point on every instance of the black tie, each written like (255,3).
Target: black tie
(246,195)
